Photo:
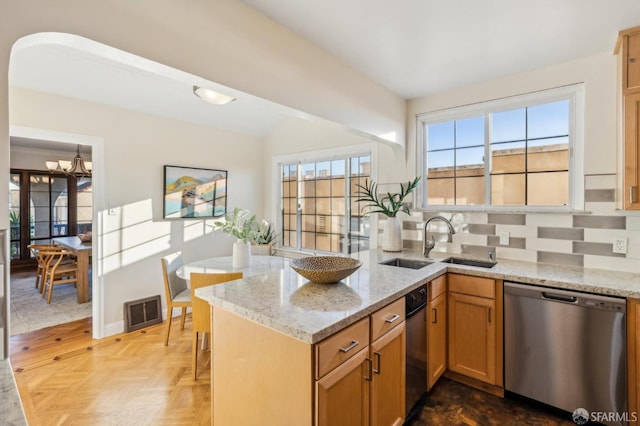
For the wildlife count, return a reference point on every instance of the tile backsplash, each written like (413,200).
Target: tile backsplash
(578,239)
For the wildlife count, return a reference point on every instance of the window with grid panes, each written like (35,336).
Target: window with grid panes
(319,212)
(512,153)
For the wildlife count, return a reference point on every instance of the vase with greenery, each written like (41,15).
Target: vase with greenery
(388,204)
(240,223)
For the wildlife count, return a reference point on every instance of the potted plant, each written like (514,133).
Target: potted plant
(240,224)
(389,205)
(262,238)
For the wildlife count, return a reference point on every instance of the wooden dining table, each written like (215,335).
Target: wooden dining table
(82,250)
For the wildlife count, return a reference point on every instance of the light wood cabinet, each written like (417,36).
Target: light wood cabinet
(633,358)
(388,378)
(367,387)
(475,328)
(436,329)
(628,51)
(342,396)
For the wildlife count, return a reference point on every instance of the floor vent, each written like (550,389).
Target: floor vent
(142,313)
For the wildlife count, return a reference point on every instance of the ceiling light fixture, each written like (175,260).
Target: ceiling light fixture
(211,96)
(77,166)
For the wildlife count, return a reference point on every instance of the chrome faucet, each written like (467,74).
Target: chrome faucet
(427,246)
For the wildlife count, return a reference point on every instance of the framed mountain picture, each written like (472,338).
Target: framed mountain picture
(191,192)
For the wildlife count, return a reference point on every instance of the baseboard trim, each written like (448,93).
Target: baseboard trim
(114,328)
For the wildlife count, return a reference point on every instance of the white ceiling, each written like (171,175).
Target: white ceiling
(420,47)
(80,68)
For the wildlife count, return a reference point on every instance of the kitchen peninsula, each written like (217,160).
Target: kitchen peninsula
(267,327)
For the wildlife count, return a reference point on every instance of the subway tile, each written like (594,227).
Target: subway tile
(576,234)
(514,242)
(411,245)
(507,218)
(549,219)
(598,249)
(513,230)
(516,254)
(607,222)
(607,235)
(600,181)
(603,209)
(599,195)
(633,223)
(620,264)
(560,258)
(543,244)
(477,250)
(411,225)
(476,228)
(475,239)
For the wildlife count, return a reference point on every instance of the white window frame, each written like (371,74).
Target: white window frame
(335,153)
(573,93)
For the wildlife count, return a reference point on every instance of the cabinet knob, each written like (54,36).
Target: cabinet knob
(632,60)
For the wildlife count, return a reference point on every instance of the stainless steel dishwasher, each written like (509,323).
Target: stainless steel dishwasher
(416,350)
(565,349)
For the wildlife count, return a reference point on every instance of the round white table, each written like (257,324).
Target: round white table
(257,266)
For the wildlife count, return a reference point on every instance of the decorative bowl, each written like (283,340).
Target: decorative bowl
(85,237)
(325,269)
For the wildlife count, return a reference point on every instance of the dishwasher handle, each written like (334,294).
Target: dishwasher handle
(559,297)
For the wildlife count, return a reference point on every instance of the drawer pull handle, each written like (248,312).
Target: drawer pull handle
(632,192)
(370,362)
(377,356)
(435,315)
(353,344)
(394,318)
(489,315)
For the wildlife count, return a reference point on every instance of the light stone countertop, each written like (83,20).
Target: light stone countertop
(273,294)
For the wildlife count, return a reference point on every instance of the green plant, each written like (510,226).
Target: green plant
(14,217)
(264,233)
(389,204)
(239,223)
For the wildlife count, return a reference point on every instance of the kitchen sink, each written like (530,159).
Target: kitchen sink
(407,263)
(469,262)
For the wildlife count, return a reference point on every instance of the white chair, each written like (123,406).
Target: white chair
(176,290)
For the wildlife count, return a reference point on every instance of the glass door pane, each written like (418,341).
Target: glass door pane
(84,205)
(14,215)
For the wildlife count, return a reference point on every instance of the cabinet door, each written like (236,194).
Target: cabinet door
(388,379)
(632,152)
(436,339)
(472,336)
(632,61)
(342,396)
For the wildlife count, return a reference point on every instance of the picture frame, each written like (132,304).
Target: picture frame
(191,192)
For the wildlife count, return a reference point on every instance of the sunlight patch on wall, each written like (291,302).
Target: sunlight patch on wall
(131,235)
(198,228)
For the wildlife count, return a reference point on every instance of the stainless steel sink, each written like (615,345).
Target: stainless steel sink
(407,263)
(469,262)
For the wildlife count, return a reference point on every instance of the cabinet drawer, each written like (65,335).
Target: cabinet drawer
(338,348)
(437,287)
(386,318)
(475,286)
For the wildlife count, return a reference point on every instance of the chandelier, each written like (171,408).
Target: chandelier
(77,167)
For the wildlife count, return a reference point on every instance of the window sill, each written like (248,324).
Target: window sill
(508,210)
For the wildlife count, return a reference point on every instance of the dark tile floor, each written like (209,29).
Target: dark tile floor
(450,403)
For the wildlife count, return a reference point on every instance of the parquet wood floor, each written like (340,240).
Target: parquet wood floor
(65,377)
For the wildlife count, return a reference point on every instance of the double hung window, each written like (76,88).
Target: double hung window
(513,152)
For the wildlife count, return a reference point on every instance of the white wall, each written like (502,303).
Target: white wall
(136,147)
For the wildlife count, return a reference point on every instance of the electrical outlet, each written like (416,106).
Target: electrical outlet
(620,245)
(504,238)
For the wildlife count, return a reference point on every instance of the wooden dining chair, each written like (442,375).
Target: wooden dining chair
(201,310)
(36,251)
(176,290)
(58,270)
